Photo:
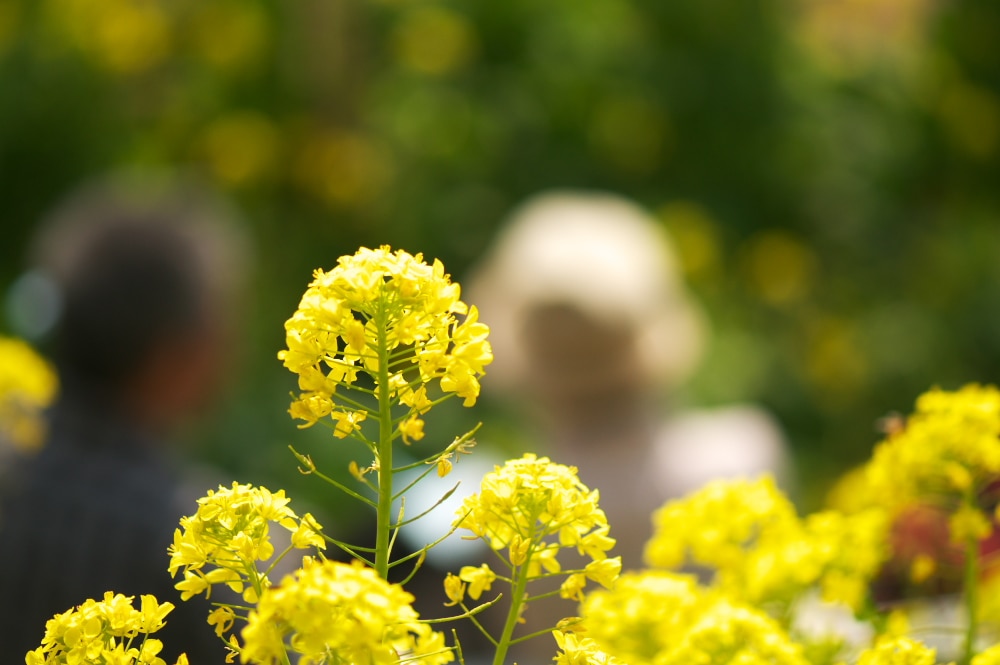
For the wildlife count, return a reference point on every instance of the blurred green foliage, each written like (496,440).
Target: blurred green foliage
(830,169)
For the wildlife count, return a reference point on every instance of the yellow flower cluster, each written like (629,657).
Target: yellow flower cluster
(989,657)
(392,317)
(663,618)
(839,553)
(643,614)
(528,500)
(949,447)
(716,524)
(230,532)
(763,552)
(340,613)
(730,633)
(103,632)
(28,384)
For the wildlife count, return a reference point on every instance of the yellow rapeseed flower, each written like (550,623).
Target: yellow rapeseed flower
(480,579)
(989,657)
(763,552)
(108,631)
(898,651)
(344,611)
(576,650)
(730,633)
(716,524)
(454,588)
(657,617)
(948,448)
(643,615)
(393,317)
(532,497)
(533,507)
(229,533)
(840,554)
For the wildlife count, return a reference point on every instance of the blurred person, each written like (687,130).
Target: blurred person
(592,327)
(146,271)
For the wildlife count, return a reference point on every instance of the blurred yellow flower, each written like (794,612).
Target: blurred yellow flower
(852,37)
(898,651)
(643,615)
(454,588)
(375,621)
(340,167)
(241,148)
(412,429)
(697,237)
(28,384)
(434,40)
(763,552)
(230,35)
(125,37)
(716,524)
(778,267)
(10,19)
(949,447)
(990,656)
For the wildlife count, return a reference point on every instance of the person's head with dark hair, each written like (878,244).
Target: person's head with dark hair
(145,271)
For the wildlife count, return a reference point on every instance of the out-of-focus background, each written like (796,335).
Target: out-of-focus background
(829,171)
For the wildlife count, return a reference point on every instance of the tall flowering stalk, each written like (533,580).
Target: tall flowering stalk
(392,318)
(376,340)
(381,339)
(946,455)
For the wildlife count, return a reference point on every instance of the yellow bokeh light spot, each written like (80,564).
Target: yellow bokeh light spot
(10,17)
(971,116)
(434,40)
(230,35)
(696,235)
(630,132)
(241,147)
(834,361)
(123,36)
(778,268)
(848,37)
(342,168)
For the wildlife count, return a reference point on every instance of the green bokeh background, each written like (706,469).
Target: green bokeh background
(829,169)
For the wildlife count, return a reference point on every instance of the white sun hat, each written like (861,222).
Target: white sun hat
(602,256)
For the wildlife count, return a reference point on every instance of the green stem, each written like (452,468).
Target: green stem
(383,524)
(971,599)
(516,601)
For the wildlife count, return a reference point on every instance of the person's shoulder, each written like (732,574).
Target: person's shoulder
(696,446)
(735,421)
